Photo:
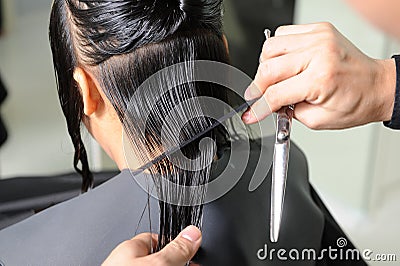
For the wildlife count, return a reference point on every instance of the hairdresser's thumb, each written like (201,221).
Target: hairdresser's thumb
(183,247)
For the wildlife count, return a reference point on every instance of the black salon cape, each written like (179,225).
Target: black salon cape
(84,230)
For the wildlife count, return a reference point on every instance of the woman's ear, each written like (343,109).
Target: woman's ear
(89,90)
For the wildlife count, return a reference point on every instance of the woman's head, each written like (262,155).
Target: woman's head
(104,50)
(108,48)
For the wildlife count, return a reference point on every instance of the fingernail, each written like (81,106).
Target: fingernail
(191,233)
(246,116)
(248,94)
(252,92)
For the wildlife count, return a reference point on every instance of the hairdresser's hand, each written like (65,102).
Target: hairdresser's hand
(333,84)
(136,251)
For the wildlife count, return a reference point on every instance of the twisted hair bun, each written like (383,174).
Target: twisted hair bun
(207,12)
(136,23)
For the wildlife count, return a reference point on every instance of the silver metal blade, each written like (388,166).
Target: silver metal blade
(280,168)
(279,176)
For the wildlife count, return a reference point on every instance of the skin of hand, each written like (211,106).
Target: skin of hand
(332,84)
(137,250)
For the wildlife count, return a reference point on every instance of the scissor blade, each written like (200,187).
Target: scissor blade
(279,176)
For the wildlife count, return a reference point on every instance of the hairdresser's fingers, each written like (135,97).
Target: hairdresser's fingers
(292,38)
(319,117)
(282,45)
(136,251)
(287,92)
(181,249)
(143,244)
(129,250)
(295,29)
(288,39)
(310,115)
(276,70)
(316,116)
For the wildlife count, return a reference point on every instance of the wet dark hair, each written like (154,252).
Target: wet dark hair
(124,42)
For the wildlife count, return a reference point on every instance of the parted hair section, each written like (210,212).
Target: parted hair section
(124,43)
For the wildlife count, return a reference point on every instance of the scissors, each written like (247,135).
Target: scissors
(280,164)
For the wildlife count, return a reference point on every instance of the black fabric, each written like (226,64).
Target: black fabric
(394,123)
(333,232)
(85,229)
(22,197)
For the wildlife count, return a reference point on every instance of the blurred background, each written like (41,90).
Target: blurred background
(354,170)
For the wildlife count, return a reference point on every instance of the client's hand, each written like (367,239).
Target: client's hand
(136,251)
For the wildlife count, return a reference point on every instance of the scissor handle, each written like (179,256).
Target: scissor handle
(284,123)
